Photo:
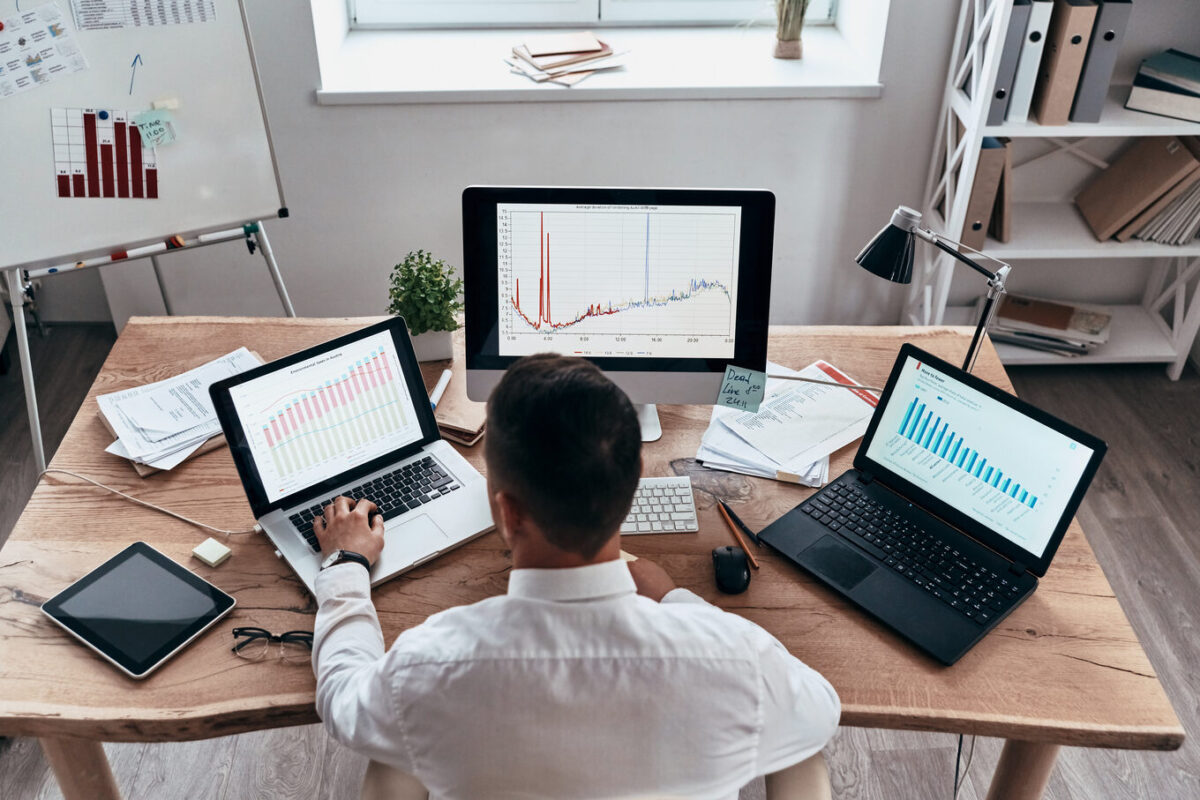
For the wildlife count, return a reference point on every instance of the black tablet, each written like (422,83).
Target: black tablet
(138,609)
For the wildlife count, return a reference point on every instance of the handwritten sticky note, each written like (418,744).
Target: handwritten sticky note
(742,388)
(156,127)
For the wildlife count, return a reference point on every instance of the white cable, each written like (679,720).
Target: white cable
(132,499)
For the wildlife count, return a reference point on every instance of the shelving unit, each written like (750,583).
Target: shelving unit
(1162,328)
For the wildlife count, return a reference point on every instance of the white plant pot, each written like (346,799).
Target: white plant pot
(434,345)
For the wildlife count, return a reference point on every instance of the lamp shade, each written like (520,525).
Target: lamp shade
(889,255)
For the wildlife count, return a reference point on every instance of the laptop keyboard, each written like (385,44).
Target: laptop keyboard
(928,562)
(401,490)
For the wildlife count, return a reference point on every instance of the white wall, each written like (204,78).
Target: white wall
(366,184)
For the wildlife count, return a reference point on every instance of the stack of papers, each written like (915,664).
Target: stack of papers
(565,58)
(161,424)
(797,427)
(1049,325)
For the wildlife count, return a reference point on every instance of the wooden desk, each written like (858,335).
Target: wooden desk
(1064,669)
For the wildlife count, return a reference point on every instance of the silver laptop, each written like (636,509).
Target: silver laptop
(350,417)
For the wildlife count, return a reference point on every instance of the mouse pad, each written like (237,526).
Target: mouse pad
(837,562)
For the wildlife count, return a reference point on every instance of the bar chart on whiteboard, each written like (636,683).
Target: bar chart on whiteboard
(98,152)
(615,280)
(315,419)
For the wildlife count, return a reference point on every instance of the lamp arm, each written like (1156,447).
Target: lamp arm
(940,244)
(996,288)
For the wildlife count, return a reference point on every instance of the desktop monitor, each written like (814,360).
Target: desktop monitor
(660,288)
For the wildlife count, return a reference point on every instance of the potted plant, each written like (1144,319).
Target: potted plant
(790,14)
(427,294)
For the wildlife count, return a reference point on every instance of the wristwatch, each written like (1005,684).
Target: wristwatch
(343,557)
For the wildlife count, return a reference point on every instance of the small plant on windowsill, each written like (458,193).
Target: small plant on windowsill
(790,14)
(428,295)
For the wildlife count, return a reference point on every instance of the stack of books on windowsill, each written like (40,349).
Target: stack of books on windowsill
(1066,328)
(1168,84)
(563,58)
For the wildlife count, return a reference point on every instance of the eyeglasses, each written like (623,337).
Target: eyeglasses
(294,646)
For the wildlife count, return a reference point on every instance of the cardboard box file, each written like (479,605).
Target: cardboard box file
(1137,178)
(1066,47)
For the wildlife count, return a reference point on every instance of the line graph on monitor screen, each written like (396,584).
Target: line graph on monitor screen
(614,280)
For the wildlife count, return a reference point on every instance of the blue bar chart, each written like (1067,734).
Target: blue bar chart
(976,454)
(922,426)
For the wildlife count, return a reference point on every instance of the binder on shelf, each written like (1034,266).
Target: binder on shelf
(1107,35)
(1001,226)
(1138,177)
(1066,47)
(1018,21)
(983,192)
(1157,207)
(1029,60)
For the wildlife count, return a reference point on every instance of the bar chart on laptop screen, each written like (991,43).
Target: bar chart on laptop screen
(320,417)
(642,281)
(987,460)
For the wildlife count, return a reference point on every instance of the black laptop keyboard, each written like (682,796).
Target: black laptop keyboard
(398,491)
(925,560)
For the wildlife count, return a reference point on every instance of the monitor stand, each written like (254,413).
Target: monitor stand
(648,420)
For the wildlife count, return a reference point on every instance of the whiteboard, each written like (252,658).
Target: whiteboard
(219,173)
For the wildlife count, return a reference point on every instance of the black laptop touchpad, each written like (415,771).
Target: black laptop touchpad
(837,562)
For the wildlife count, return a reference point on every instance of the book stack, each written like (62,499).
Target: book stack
(1148,192)
(459,419)
(563,58)
(1168,84)
(1067,328)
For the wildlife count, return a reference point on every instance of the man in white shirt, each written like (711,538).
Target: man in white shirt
(591,677)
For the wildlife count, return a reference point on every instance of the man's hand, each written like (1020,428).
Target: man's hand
(652,580)
(348,525)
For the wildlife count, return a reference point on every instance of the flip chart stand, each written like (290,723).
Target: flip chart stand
(18,278)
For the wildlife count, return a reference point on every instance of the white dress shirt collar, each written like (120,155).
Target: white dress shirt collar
(573,584)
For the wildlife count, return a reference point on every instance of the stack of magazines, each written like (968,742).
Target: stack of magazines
(1068,328)
(563,58)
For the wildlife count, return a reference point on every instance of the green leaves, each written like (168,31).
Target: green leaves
(426,293)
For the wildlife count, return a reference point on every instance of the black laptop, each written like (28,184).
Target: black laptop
(958,500)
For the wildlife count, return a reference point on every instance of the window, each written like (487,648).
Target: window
(500,13)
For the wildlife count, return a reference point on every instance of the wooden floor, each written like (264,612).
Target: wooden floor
(1141,515)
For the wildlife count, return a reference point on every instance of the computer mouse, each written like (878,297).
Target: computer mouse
(732,569)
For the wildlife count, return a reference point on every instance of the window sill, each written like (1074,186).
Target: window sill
(371,67)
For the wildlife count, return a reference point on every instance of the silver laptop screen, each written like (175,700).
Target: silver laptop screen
(991,462)
(313,420)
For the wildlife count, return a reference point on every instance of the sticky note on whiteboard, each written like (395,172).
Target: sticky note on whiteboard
(156,127)
(742,388)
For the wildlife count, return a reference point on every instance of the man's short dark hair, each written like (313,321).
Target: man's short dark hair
(565,441)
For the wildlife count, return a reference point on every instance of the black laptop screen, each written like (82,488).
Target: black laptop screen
(314,419)
(1001,467)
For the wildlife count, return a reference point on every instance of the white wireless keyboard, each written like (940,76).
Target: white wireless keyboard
(662,505)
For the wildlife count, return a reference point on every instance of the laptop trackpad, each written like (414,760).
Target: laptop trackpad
(837,562)
(413,540)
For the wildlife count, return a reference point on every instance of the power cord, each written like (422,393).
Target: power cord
(965,768)
(132,499)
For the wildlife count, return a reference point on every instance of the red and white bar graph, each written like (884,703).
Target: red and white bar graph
(99,153)
(356,409)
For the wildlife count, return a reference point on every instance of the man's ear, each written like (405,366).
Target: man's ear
(510,516)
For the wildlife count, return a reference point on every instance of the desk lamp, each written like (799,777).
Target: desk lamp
(890,255)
